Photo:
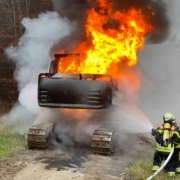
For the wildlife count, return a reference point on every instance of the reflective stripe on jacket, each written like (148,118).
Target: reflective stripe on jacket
(164,149)
(177,145)
(174,130)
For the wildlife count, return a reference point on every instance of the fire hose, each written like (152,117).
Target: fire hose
(164,164)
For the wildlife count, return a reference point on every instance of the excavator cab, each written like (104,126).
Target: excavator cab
(82,91)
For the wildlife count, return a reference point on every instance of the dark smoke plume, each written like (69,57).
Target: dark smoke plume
(159,20)
(76,10)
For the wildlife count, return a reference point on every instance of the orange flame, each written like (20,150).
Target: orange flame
(113,40)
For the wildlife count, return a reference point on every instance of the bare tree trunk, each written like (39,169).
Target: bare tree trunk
(19,17)
(5,5)
(11,14)
(14,21)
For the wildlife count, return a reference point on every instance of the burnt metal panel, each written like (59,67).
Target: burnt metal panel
(73,93)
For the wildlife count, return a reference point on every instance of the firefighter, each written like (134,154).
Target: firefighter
(165,135)
(176,153)
(177,148)
(176,139)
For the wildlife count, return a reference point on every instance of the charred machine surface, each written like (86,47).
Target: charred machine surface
(77,91)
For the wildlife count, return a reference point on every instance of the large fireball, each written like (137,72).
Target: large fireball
(113,39)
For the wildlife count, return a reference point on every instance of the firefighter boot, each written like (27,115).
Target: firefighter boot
(171,174)
(155,167)
(178,170)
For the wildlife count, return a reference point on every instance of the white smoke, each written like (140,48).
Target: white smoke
(125,115)
(32,55)
(159,64)
(28,98)
(173,14)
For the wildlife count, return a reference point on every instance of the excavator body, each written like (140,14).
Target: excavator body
(75,91)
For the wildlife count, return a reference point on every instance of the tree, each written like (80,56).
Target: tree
(11,14)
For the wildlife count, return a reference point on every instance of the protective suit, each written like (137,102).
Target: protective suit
(166,135)
(176,151)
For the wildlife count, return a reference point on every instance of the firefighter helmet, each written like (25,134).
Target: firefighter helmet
(168,117)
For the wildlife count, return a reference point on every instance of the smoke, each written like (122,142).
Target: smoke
(123,116)
(19,117)
(78,125)
(159,20)
(173,14)
(74,10)
(159,64)
(32,56)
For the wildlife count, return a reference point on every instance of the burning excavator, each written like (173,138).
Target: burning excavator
(77,91)
(90,84)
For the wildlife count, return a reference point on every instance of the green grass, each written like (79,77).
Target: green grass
(10,143)
(141,170)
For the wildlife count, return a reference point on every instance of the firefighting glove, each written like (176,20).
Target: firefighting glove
(171,140)
(175,138)
(153,132)
(159,138)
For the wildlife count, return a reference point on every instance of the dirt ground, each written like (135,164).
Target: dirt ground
(65,164)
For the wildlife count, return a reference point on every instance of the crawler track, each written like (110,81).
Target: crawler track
(37,137)
(102,141)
